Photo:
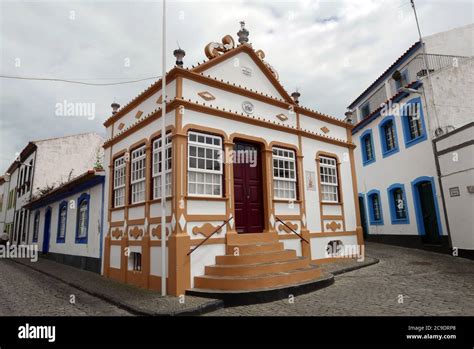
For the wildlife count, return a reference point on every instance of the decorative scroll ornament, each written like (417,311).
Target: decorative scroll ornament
(116,233)
(215,49)
(205,230)
(283,228)
(261,55)
(136,232)
(333,226)
(156,231)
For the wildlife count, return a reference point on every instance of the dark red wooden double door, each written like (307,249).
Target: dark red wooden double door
(248,188)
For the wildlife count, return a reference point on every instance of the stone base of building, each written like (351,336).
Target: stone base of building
(80,262)
(466,254)
(411,241)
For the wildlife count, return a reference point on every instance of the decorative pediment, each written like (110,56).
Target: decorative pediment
(215,49)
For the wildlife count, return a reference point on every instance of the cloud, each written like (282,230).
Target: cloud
(331,50)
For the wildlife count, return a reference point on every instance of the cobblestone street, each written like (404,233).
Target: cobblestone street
(430,284)
(24,291)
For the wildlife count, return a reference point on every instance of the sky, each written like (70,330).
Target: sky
(330,50)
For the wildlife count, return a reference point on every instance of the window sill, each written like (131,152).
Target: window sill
(154,201)
(118,208)
(331,203)
(377,223)
(209,198)
(400,221)
(137,204)
(390,152)
(414,141)
(368,162)
(296,201)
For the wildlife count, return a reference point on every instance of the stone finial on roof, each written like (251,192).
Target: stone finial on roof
(296,95)
(115,107)
(179,53)
(243,33)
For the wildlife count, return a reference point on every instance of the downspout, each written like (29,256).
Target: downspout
(101,227)
(31,193)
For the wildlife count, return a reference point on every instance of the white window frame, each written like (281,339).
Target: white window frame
(328,179)
(156,173)
(284,177)
(414,122)
(82,224)
(138,175)
(202,177)
(389,134)
(62,222)
(36,225)
(120,166)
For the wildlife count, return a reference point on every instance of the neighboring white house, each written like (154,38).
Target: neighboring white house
(41,166)
(455,163)
(7,213)
(244,161)
(67,222)
(395,121)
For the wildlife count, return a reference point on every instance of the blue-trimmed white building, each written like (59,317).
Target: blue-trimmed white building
(395,121)
(67,223)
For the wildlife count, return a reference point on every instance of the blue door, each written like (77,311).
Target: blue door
(47,230)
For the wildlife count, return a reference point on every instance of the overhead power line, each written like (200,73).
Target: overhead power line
(78,82)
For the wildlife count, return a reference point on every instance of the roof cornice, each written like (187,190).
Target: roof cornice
(387,72)
(228,114)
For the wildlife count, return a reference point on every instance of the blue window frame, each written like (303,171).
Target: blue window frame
(375,207)
(36,225)
(388,136)
(82,220)
(62,222)
(367,147)
(397,203)
(418,210)
(413,121)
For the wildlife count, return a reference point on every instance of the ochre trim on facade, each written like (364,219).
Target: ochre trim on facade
(340,191)
(336,233)
(150,91)
(248,49)
(254,120)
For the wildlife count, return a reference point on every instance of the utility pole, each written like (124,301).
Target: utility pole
(163,158)
(425,60)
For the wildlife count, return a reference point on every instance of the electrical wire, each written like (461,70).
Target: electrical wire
(76,81)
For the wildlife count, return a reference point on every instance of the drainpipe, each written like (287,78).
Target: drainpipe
(101,227)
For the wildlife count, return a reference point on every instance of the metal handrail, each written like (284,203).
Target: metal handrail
(302,238)
(207,238)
